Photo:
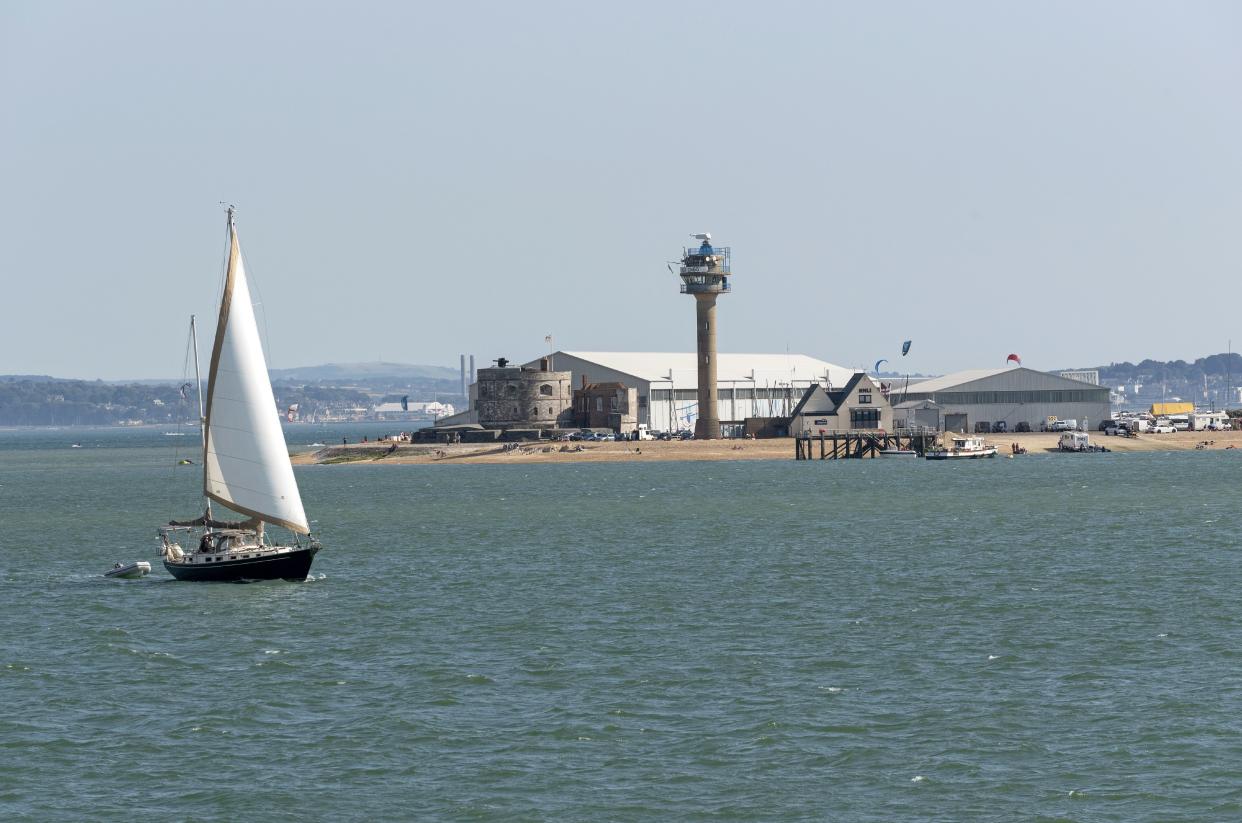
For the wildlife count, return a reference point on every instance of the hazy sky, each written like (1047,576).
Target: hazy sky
(417,180)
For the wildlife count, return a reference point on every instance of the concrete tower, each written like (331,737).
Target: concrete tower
(705,274)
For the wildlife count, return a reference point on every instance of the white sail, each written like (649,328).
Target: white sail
(246,462)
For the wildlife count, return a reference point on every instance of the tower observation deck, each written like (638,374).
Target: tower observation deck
(705,273)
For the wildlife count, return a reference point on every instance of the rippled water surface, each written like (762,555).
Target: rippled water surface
(1043,638)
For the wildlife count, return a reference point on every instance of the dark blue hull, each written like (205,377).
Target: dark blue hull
(294,565)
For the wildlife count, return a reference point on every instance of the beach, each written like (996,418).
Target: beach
(707,450)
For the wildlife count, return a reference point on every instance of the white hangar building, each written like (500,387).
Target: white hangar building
(968,399)
(748,385)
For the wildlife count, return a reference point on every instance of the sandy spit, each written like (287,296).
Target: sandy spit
(779,449)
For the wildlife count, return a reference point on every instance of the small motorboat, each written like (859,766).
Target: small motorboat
(963,448)
(129,571)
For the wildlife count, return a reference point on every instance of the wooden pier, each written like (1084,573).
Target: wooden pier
(860,444)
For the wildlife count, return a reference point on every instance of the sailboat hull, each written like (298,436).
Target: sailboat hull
(294,565)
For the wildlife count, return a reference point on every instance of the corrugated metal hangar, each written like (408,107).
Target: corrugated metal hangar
(748,385)
(1013,396)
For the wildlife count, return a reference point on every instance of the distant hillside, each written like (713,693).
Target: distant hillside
(330,391)
(365,372)
(36,378)
(52,402)
(1210,381)
(1215,365)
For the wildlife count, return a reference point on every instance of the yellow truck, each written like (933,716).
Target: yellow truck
(1170,409)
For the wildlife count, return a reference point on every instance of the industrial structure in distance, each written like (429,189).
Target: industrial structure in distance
(709,394)
(705,275)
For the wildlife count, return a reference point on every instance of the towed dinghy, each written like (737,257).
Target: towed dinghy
(129,571)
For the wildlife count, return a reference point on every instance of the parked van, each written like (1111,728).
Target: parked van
(1210,421)
(1074,442)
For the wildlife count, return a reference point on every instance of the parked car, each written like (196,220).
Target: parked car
(1022,426)
(1162,428)
(983,427)
(1105,425)
(1000,427)
(1062,426)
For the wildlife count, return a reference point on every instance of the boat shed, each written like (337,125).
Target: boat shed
(666,383)
(917,414)
(970,399)
(858,406)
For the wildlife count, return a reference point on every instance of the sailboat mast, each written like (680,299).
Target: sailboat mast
(198,379)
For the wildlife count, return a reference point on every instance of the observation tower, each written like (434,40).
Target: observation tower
(705,274)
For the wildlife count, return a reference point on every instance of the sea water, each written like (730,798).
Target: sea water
(1052,637)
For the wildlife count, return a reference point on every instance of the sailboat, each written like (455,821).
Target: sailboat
(246,465)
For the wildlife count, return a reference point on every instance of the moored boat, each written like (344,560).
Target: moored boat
(963,448)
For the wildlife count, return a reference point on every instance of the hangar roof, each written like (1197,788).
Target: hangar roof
(1002,379)
(769,369)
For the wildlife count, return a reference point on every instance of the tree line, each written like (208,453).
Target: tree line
(46,401)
